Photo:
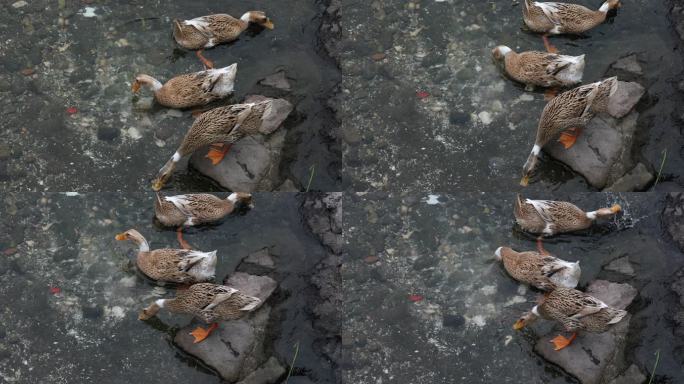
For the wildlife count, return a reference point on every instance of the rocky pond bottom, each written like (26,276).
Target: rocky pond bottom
(427,302)
(71,294)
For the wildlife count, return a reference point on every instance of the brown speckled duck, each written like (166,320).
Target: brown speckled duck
(563,18)
(540,68)
(207,31)
(171,265)
(191,89)
(208,302)
(548,217)
(567,114)
(544,272)
(195,209)
(225,126)
(576,310)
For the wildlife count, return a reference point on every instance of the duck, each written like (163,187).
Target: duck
(543,272)
(551,18)
(540,68)
(576,310)
(208,302)
(208,31)
(220,127)
(171,265)
(195,209)
(567,114)
(549,217)
(191,89)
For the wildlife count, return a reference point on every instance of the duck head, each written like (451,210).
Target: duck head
(530,165)
(165,172)
(136,237)
(526,319)
(499,52)
(152,310)
(147,81)
(257,17)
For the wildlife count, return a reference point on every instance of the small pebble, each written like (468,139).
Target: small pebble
(378,56)
(28,71)
(20,4)
(371,259)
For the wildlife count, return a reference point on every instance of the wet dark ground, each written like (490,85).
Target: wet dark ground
(435,114)
(441,249)
(88,331)
(84,54)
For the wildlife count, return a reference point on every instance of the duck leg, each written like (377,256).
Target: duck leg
(200,333)
(550,93)
(208,64)
(569,137)
(540,247)
(179,235)
(547,44)
(561,341)
(217,152)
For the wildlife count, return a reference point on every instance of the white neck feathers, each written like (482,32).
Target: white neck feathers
(245,17)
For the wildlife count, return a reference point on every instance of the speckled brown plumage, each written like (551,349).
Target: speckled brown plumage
(563,18)
(193,209)
(544,272)
(578,311)
(549,217)
(540,68)
(223,125)
(212,302)
(208,31)
(171,265)
(197,88)
(574,109)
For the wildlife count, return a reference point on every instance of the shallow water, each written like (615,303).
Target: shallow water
(117,143)
(441,248)
(474,128)
(89,331)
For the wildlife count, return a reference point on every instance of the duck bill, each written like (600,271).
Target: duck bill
(135,87)
(518,325)
(615,208)
(164,175)
(268,24)
(525,181)
(120,236)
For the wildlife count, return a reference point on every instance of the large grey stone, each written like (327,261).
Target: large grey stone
(258,286)
(261,258)
(233,350)
(635,180)
(673,217)
(603,152)
(625,98)
(268,373)
(251,165)
(595,357)
(630,376)
(253,162)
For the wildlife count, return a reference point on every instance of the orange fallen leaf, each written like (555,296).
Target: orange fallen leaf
(72,110)
(200,333)
(28,71)
(55,290)
(415,298)
(422,94)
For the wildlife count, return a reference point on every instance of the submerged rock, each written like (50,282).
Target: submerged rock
(252,164)
(673,218)
(621,265)
(268,373)
(277,80)
(630,376)
(629,64)
(595,357)
(236,348)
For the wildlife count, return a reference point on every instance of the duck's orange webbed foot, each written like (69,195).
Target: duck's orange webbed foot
(569,137)
(200,333)
(179,235)
(561,341)
(217,152)
(208,64)
(547,44)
